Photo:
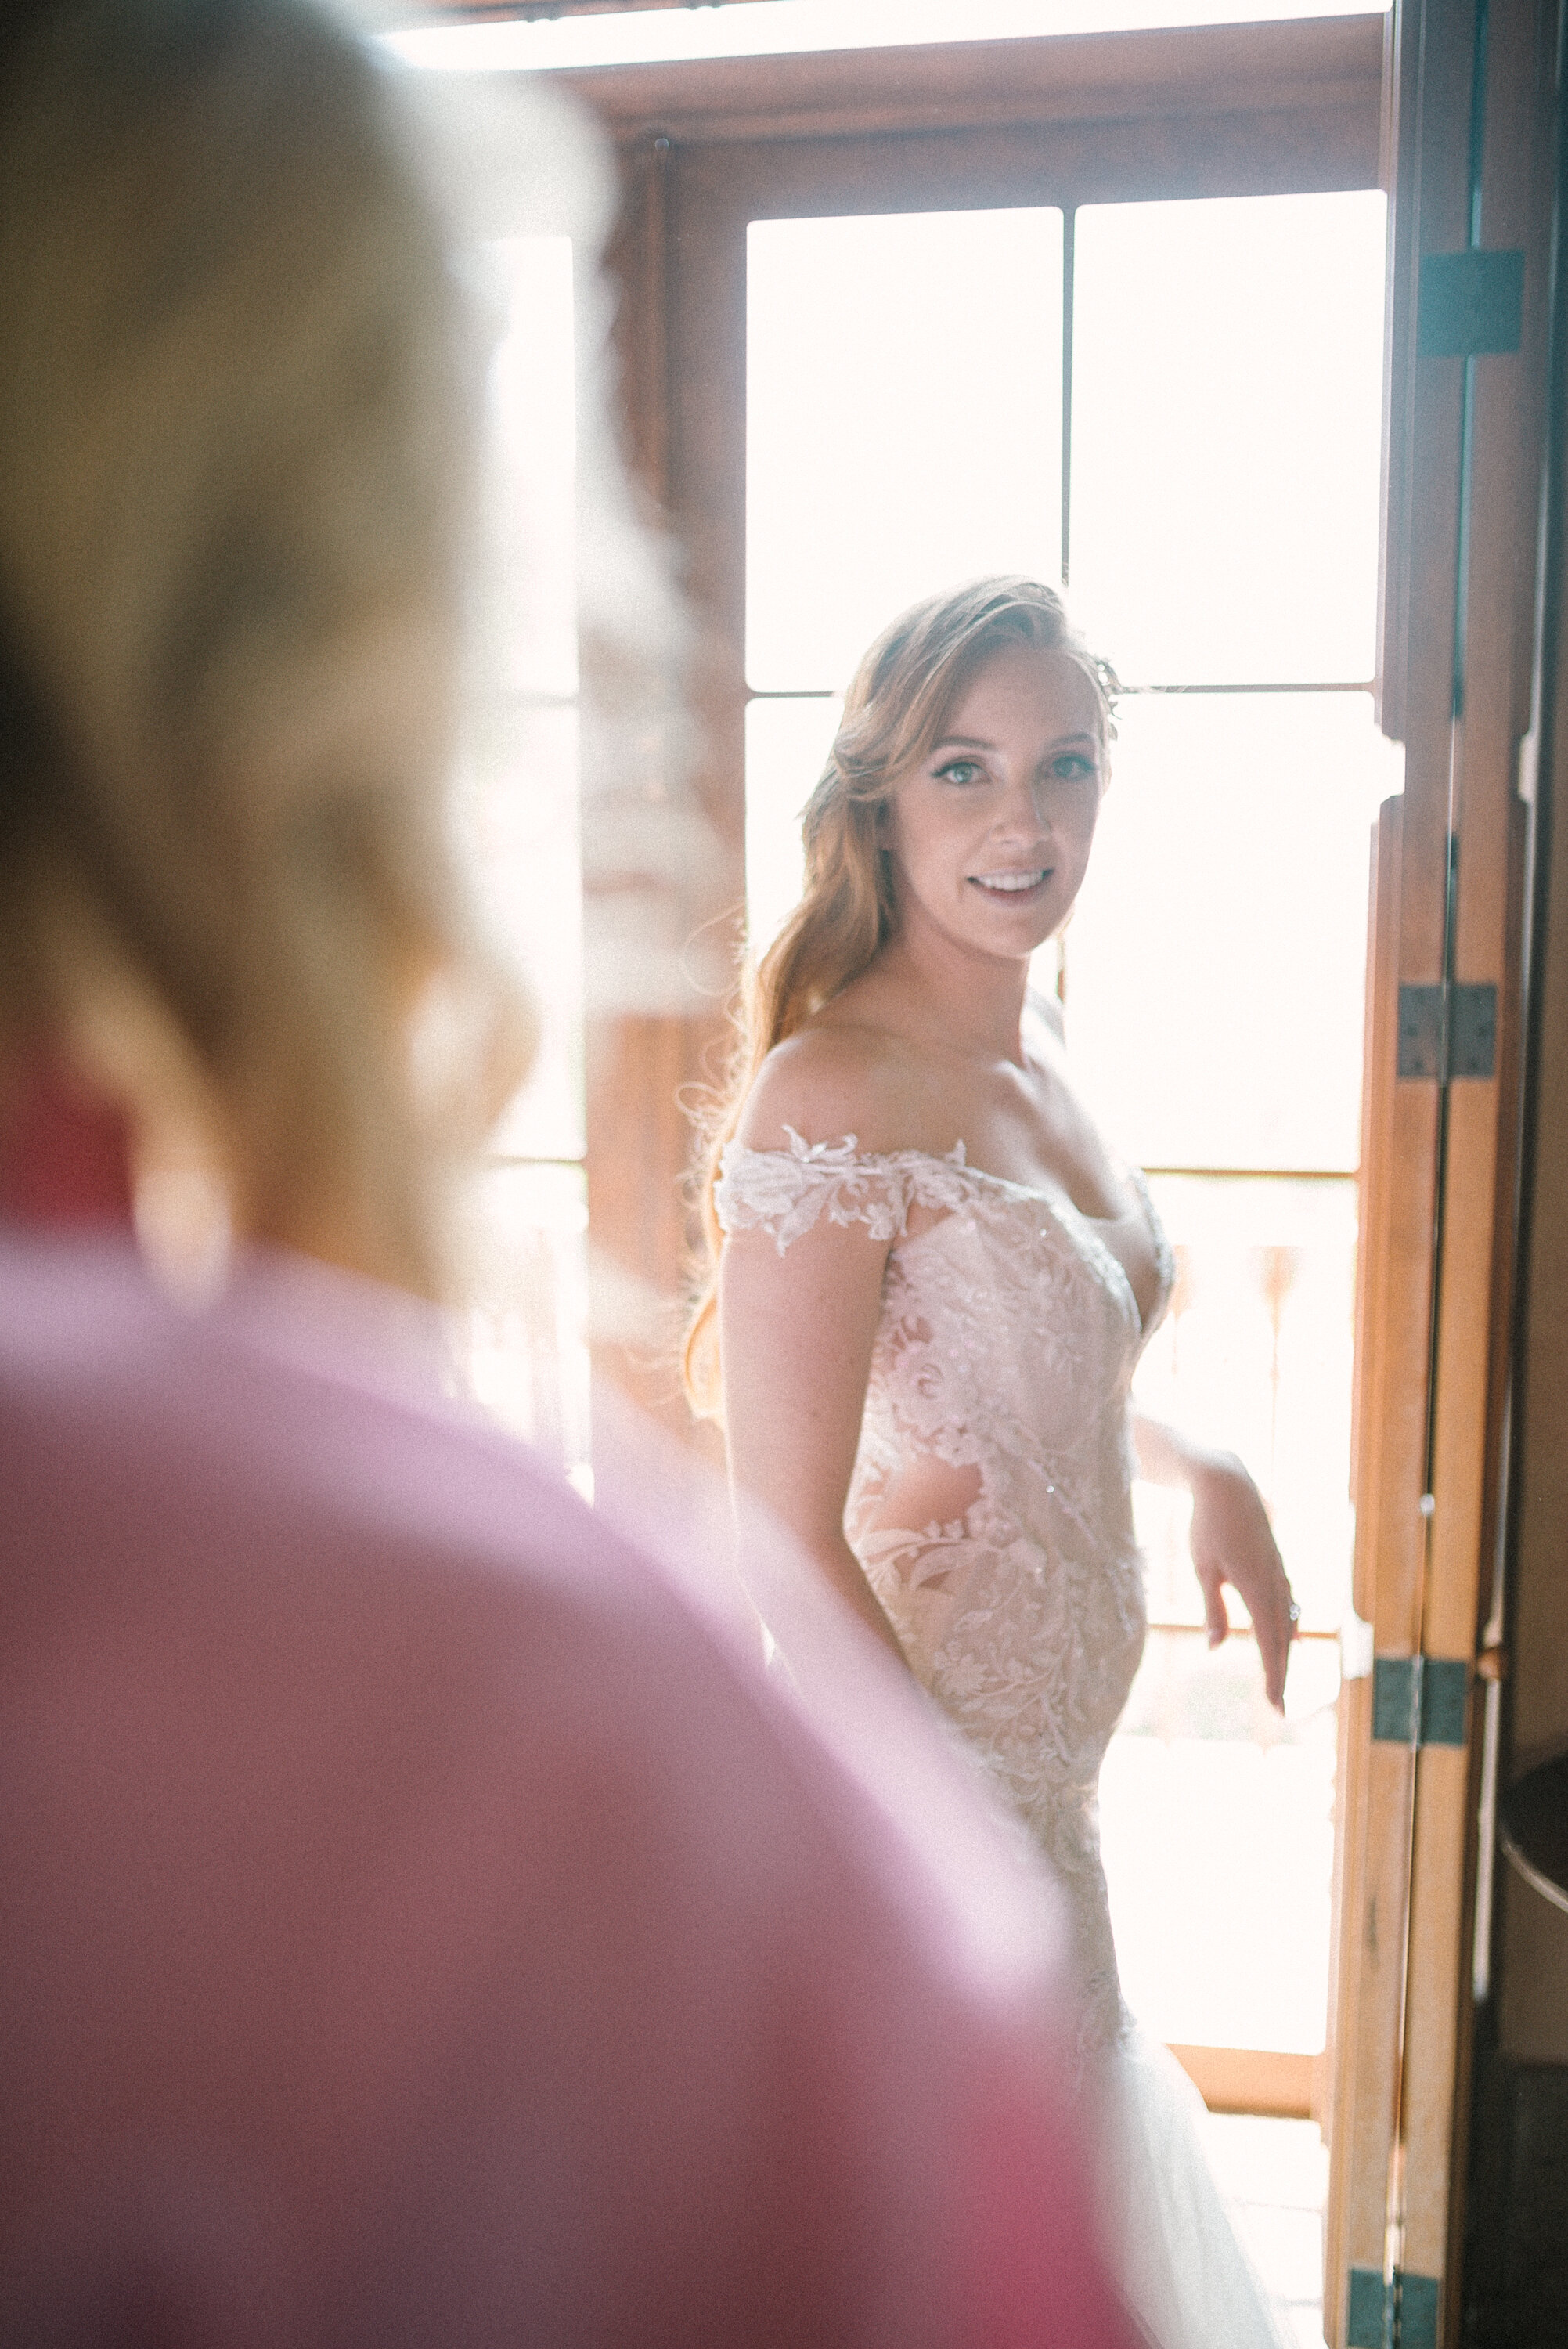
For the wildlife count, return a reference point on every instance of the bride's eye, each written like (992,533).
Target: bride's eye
(1074,767)
(960,771)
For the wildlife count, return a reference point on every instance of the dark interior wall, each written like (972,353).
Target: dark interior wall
(1533,1936)
(1516,2254)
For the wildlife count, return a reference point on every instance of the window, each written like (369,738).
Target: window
(1175,407)
(527,1355)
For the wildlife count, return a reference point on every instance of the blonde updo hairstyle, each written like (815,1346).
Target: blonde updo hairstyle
(239,388)
(896,712)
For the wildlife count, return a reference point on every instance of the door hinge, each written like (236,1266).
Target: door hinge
(1419,1700)
(1470,304)
(1463,1043)
(1397,2311)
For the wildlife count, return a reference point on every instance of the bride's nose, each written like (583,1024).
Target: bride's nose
(1024,815)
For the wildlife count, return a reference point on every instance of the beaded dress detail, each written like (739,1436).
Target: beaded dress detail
(1005,1345)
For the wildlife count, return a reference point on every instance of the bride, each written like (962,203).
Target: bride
(934,1281)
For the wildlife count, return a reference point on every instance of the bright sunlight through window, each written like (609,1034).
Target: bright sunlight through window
(1174,408)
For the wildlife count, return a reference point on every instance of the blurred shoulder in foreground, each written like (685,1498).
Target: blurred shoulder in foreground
(420,1924)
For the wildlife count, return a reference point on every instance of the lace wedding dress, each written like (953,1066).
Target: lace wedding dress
(1004,1353)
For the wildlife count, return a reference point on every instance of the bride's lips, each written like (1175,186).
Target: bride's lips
(1025,888)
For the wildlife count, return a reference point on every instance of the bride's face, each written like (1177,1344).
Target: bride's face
(990,835)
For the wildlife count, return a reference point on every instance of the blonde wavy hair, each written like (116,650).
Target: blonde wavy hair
(896,712)
(239,395)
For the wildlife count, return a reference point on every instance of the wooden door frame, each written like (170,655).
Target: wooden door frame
(1468,143)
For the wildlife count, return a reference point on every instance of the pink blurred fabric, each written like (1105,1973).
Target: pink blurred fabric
(421,1924)
(64,1157)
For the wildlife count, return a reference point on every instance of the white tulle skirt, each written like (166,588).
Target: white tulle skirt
(1183,2267)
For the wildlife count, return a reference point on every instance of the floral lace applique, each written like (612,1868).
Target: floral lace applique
(784,1192)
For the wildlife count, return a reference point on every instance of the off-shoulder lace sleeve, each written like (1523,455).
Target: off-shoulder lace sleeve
(785,1192)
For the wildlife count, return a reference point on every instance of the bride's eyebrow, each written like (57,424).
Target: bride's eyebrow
(974,742)
(1071,742)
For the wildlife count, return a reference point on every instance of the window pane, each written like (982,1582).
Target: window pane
(1255,1354)
(903,423)
(1216,1820)
(518,807)
(787,744)
(1214,962)
(1227,373)
(1217,1813)
(526,1351)
(531,618)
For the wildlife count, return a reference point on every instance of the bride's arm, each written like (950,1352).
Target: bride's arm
(795,1341)
(1231,1540)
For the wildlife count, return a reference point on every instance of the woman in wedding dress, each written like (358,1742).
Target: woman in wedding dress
(934,1281)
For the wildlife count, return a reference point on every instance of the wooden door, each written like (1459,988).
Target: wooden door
(1468,142)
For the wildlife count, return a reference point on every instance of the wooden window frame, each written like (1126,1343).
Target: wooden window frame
(530,12)
(701,148)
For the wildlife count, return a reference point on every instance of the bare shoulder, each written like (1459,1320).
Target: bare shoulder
(836,1079)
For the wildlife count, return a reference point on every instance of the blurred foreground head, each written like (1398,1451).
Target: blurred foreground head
(239,386)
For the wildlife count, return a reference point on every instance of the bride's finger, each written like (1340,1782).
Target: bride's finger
(1275,1629)
(1212,1587)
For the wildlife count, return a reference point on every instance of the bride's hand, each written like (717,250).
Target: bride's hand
(1231,1542)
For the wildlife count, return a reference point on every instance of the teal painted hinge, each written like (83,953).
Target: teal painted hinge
(1371,2302)
(1448,1032)
(1397,2311)
(1470,304)
(1420,1700)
